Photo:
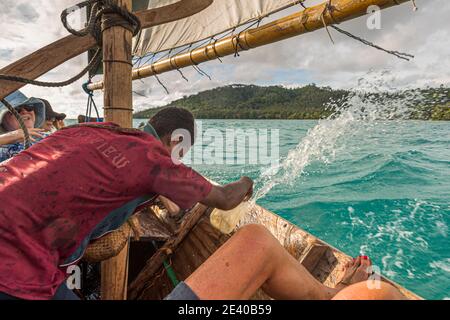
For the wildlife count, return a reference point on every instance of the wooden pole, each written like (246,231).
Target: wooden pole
(293,25)
(117,64)
(118,107)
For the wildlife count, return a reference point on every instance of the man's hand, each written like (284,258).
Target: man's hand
(229,196)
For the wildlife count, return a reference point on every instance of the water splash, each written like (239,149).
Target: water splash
(375,99)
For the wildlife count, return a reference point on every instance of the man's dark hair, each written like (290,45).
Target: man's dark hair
(166,121)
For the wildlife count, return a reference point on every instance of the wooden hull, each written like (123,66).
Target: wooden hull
(322,260)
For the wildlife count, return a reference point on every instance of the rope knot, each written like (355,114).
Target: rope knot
(103,14)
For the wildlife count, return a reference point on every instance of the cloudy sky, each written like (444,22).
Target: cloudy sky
(28,25)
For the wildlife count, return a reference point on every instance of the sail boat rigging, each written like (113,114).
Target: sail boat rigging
(308,20)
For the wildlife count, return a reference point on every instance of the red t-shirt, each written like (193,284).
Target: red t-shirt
(54,194)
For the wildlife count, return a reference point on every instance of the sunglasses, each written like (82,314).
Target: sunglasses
(26,108)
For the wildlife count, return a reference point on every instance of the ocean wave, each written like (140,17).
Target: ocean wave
(390,170)
(428,142)
(399,235)
(443,265)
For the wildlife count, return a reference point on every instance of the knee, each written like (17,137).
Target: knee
(370,290)
(257,231)
(258,235)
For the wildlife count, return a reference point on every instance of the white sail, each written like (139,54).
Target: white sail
(220,16)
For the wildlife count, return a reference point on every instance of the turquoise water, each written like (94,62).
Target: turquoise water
(385,194)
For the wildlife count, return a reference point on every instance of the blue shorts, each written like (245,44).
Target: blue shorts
(182,292)
(63,293)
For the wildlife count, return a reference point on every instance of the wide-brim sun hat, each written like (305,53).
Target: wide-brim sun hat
(17,101)
(50,113)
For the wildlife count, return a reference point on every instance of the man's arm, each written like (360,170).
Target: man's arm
(229,196)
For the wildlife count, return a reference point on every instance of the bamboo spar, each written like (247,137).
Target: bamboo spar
(293,25)
(117,42)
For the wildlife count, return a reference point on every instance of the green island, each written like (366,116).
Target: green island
(277,102)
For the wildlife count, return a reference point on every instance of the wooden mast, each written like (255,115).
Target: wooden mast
(118,108)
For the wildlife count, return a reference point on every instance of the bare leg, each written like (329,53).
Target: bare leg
(363,291)
(252,259)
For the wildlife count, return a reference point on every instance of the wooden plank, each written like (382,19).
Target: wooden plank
(114,276)
(151,227)
(198,246)
(172,12)
(44,60)
(313,256)
(49,57)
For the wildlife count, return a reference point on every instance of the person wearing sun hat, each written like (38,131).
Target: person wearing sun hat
(51,117)
(32,111)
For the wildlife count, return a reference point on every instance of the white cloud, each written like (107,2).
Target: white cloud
(27,26)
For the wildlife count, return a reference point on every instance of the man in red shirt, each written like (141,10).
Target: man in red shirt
(84,181)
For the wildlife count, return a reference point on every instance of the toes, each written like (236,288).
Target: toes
(365,261)
(357,262)
(352,265)
(366,265)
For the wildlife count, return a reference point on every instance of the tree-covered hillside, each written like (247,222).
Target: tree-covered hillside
(276,102)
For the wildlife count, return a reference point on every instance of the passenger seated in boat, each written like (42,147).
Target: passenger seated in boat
(84,181)
(59,124)
(11,136)
(253,258)
(53,120)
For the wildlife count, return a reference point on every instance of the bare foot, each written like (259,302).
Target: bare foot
(356,271)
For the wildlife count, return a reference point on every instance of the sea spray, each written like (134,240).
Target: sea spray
(375,99)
